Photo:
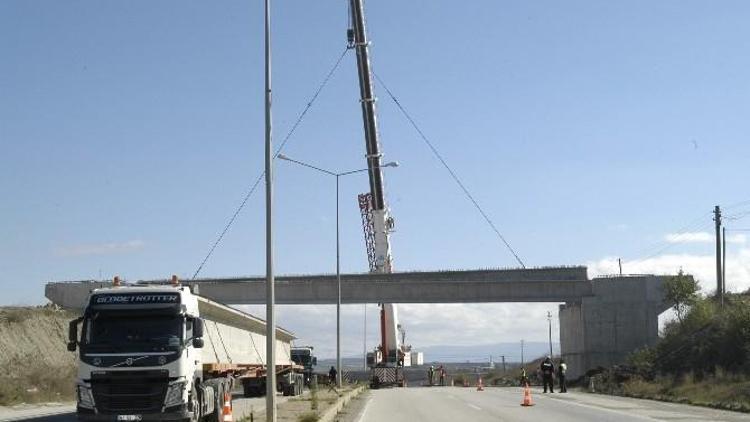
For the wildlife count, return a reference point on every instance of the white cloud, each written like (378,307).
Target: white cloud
(425,324)
(702,267)
(702,237)
(737,238)
(110,248)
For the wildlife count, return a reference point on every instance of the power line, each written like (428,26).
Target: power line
(278,150)
(659,247)
(738,216)
(447,167)
(737,204)
(697,224)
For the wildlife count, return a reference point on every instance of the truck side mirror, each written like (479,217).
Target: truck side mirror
(73,334)
(315,361)
(198,328)
(198,343)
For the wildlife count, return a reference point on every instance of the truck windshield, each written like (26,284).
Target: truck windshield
(301,357)
(133,333)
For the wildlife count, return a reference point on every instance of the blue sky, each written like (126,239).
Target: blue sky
(129,132)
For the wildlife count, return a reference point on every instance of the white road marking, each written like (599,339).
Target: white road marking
(604,409)
(473,406)
(364,410)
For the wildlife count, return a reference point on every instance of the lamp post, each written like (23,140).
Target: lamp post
(549,320)
(338,250)
(364,338)
(270,294)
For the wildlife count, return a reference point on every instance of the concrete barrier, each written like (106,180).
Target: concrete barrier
(330,414)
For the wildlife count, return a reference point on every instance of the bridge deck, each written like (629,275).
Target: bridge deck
(566,284)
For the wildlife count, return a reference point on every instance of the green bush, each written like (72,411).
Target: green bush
(707,338)
(308,417)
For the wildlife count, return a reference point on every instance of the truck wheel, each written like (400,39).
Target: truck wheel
(218,413)
(194,406)
(250,390)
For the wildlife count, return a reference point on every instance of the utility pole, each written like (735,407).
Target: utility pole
(719,283)
(522,353)
(619,264)
(549,319)
(503,358)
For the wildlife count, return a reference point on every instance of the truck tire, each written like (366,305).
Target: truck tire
(253,390)
(195,407)
(218,413)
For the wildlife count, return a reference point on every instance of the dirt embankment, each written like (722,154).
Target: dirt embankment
(35,365)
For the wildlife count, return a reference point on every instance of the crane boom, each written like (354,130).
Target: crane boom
(380,222)
(367,99)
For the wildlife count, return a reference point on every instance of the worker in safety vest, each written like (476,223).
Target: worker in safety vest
(548,372)
(562,369)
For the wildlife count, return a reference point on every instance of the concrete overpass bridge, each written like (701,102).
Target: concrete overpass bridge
(601,319)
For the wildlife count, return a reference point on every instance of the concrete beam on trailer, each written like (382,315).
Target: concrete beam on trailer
(554,284)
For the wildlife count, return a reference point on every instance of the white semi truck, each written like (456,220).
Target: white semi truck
(162,352)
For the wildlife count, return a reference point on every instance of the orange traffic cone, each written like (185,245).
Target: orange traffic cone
(480,384)
(527,397)
(227,411)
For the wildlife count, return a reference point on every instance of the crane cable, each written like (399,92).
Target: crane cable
(447,167)
(278,150)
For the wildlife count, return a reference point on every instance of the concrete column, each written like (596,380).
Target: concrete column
(621,317)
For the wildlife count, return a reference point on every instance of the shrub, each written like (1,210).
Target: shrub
(308,417)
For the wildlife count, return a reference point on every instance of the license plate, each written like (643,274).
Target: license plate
(129,417)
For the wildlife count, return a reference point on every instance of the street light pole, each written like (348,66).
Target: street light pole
(549,319)
(338,290)
(364,339)
(270,298)
(338,252)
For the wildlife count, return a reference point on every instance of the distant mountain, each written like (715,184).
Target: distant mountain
(474,353)
(482,352)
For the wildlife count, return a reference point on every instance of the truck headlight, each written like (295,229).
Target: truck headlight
(85,399)
(174,394)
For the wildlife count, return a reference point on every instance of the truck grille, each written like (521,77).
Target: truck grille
(130,392)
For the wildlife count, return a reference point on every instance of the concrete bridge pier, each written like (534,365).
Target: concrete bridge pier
(621,316)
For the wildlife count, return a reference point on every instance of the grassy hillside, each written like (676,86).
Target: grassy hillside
(35,365)
(702,358)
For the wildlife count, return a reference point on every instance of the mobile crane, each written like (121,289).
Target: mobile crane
(377,221)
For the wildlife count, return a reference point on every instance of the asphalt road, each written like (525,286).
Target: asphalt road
(503,404)
(242,407)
